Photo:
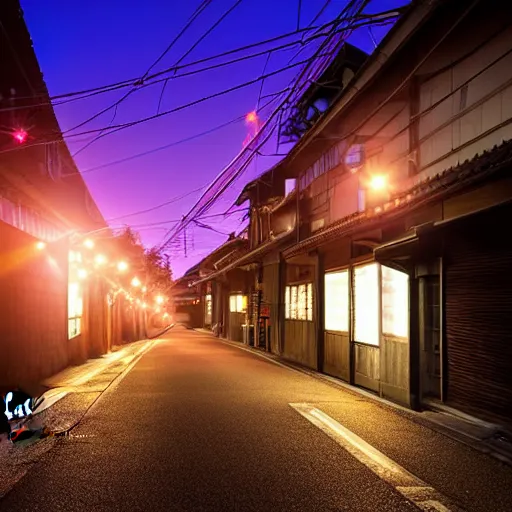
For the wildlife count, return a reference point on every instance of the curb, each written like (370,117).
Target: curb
(482,445)
(55,395)
(112,385)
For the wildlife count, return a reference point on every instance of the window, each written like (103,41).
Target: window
(366,304)
(309,303)
(299,302)
(289,186)
(287,303)
(238,303)
(336,301)
(75,309)
(395,302)
(208,309)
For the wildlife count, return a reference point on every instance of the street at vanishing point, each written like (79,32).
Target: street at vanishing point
(198,424)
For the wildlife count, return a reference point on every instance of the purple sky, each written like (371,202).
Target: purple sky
(87,44)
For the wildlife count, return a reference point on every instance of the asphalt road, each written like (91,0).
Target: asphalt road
(198,425)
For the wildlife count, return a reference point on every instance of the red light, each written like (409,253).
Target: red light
(251,117)
(20,136)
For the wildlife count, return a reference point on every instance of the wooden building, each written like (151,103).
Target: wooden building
(379,239)
(48,317)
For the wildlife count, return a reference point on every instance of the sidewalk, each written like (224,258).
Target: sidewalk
(73,391)
(482,436)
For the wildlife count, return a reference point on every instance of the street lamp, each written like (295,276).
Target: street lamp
(40,246)
(136,282)
(159,300)
(100,259)
(378,182)
(122,266)
(88,243)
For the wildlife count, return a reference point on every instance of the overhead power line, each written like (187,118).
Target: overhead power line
(372,19)
(198,42)
(116,104)
(242,160)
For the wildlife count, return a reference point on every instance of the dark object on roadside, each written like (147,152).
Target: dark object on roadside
(17,404)
(5,427)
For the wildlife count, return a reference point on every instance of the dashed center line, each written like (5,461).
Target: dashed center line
(419,493)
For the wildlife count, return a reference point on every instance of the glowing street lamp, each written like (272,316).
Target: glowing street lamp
(159,300)
(40,246)
(100,259)
(378,182)
(89,243)
(122,266)
(136,282)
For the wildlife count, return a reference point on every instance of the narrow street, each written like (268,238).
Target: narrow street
(201,425)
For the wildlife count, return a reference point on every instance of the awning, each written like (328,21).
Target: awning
(249,257)
(401,248)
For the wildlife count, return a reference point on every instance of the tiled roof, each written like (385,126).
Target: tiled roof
(448,182)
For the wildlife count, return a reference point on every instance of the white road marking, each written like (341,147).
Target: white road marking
(425,497)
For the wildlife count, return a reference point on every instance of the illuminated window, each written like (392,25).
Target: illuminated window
(299,302)
(395,302)
(309,303)
(208,309)
(293,303)
(336,301)
(366,304)
(75,309)
(238,303)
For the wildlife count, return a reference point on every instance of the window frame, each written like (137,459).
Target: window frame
(293,303)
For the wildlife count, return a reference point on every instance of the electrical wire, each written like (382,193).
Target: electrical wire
(116,104)
(198,208)
(410,75)
(157,207)
(224,183)
(162,148)
(197,43)
(87,93)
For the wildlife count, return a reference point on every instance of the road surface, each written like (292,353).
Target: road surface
(200,425)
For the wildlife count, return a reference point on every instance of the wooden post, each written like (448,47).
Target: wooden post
(320,310)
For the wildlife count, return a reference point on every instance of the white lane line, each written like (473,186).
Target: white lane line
(419,493)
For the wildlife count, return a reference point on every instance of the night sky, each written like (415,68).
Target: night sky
(88,44)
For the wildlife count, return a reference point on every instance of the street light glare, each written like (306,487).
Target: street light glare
(136,282)
(378,182)
(89,243)
(122,266)
(100,259)
(159,299)
(40,246)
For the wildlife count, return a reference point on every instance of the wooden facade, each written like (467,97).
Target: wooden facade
(372,286)
(39,208)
